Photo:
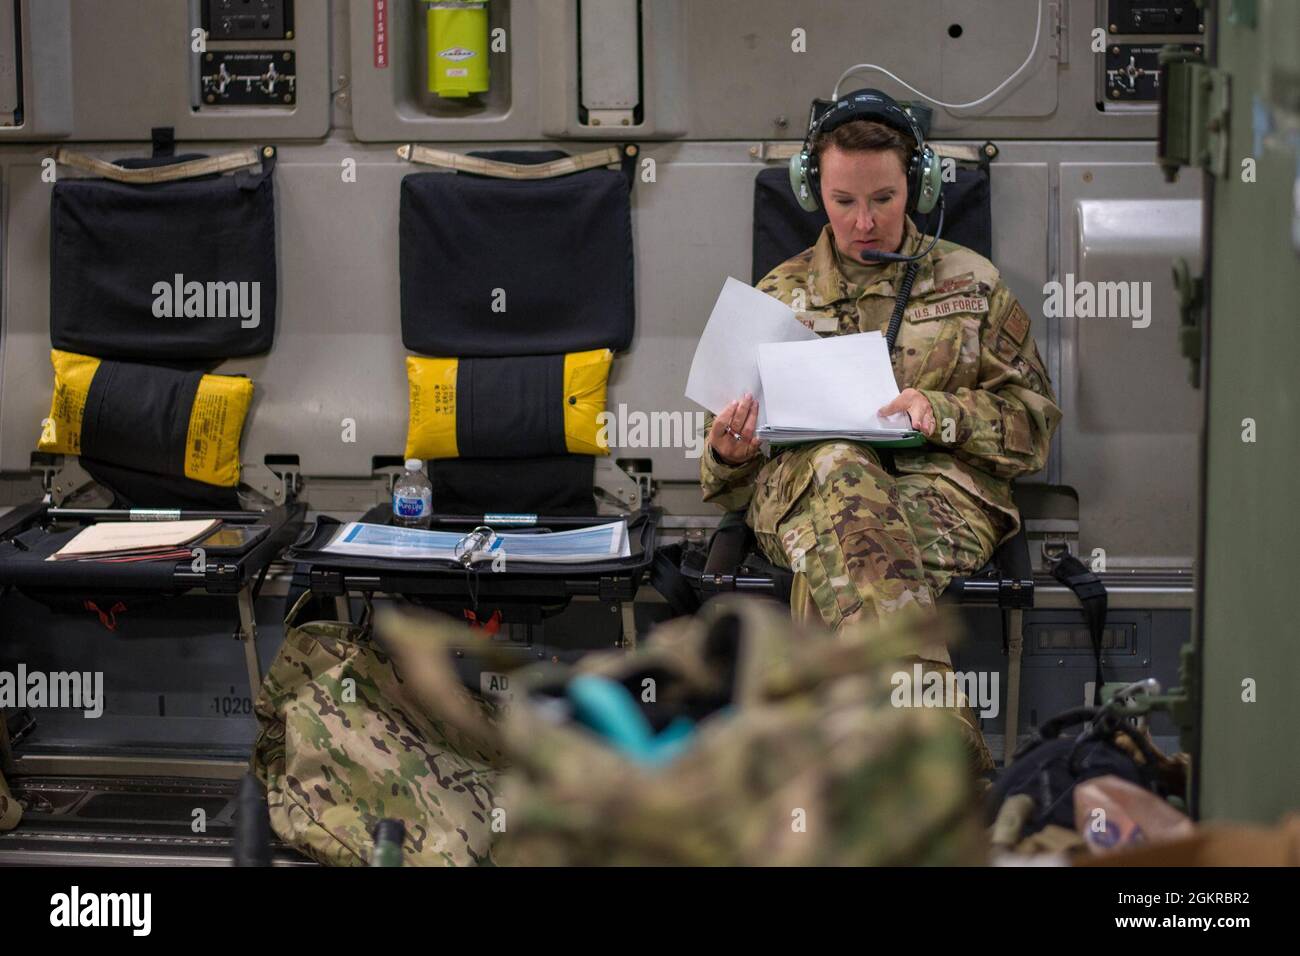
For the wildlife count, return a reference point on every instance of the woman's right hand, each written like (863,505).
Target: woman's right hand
(732,435)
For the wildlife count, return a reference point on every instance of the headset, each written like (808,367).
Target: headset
(924,171)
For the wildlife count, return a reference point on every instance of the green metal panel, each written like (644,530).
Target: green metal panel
(1249,632)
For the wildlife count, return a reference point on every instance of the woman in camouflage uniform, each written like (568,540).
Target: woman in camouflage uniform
(873,537)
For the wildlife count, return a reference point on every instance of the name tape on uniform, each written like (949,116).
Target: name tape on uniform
(818,322)
(961,303)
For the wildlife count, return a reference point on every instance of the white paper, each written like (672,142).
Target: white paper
(726,360)
(831,384)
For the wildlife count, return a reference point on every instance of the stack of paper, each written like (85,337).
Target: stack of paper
(601,542)
(830,388)
(808,388)
(135,540)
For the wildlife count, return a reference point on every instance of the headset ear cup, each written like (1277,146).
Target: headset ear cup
(803,185)
(913,180)
(929,182)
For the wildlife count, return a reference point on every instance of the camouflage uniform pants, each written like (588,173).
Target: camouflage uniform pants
(869,543)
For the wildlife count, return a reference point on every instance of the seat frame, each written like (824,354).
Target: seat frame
(239,576)
(1007,582)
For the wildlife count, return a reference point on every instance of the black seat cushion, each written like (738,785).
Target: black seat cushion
(111,243)
(558,250)
(556,485)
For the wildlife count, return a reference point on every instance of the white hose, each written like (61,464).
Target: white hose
(952,106)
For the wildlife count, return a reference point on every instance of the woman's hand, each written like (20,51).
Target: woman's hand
(917,407)
(732,435)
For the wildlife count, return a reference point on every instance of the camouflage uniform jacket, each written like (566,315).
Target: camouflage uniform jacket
(964,343)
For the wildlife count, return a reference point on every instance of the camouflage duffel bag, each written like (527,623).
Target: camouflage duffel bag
(759,744)
(342,745)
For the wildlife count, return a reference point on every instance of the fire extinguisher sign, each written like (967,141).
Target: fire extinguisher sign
(381,34)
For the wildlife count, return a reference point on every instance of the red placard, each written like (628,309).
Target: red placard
(381,34)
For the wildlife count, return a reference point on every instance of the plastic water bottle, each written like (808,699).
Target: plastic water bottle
(413,497)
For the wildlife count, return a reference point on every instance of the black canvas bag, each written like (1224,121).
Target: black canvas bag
(1049,766)
(112,243)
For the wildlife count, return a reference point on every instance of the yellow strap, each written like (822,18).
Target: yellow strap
(429,156)
(161,174)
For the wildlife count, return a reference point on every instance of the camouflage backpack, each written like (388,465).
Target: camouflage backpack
(796,755)
(341,745)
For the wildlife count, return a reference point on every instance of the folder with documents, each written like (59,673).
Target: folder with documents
(138,540)
(808,388)
(595,543)
(830,388)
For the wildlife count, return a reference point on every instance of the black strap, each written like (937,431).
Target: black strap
(1052,727)
(164,140)
(1087,587)
(666,577)
(988,152)
(627,162)
(251,179)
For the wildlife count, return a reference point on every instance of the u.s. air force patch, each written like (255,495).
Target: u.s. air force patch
(959,303)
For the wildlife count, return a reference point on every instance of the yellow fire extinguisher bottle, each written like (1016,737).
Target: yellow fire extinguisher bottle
(458,47)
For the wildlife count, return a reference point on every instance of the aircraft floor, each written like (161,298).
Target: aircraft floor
(132,821)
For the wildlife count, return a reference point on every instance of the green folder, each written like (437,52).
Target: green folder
(913,439)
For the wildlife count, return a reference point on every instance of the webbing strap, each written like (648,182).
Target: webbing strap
(667,578)
(962,152)
(1090,591)
(427,155)
(959,151)
(160,174)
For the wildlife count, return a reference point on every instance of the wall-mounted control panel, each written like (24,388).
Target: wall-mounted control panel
(1133,71)
(247,78)
(1154,16)
(1128,69)
(232,72)
(248,19)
